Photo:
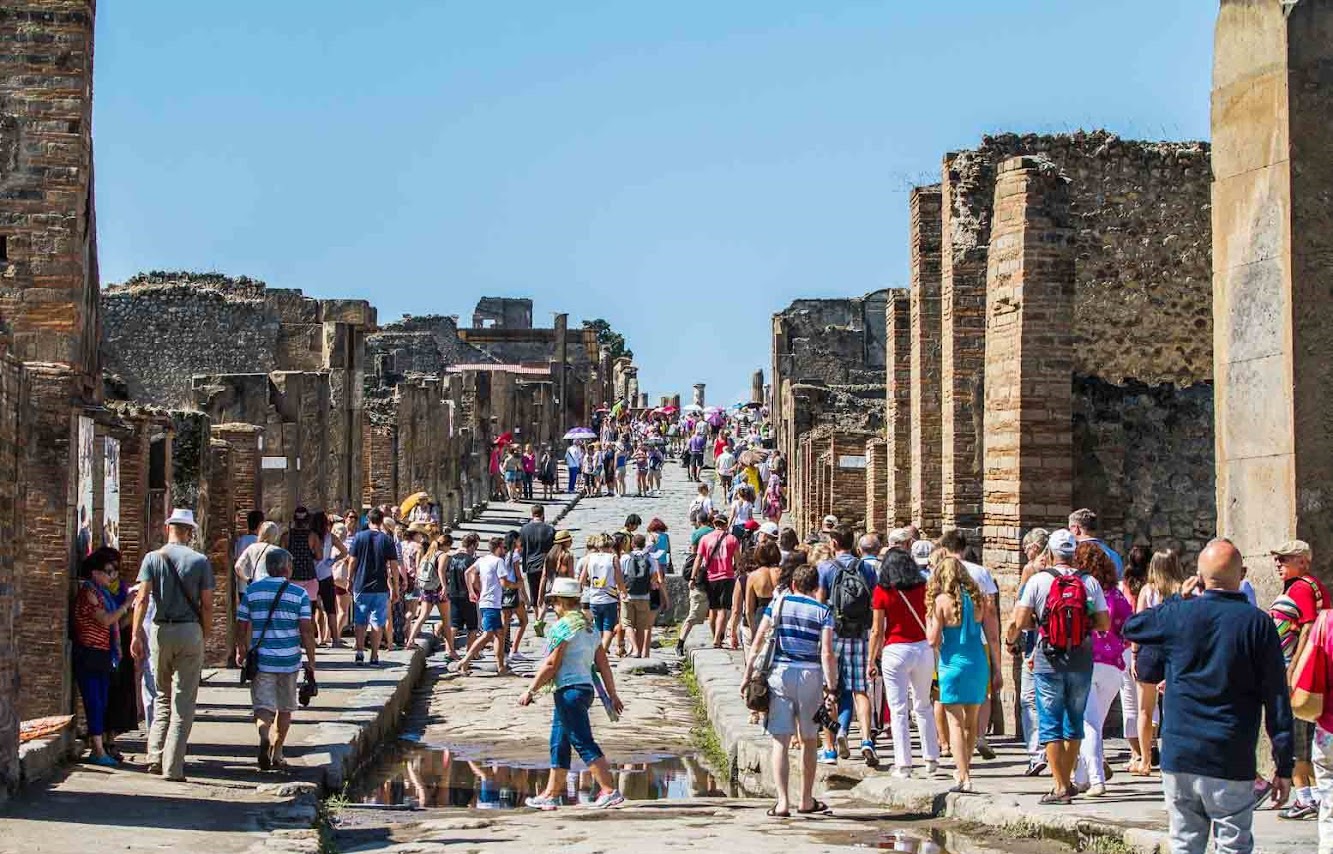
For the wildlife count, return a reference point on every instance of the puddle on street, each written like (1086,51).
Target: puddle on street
(420,776)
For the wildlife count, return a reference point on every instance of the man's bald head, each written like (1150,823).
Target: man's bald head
(1221,566)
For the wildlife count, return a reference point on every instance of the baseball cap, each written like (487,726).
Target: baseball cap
(921,550)
(1062,543)
(899,536)
(1292,548)
(830,521)
(769,528)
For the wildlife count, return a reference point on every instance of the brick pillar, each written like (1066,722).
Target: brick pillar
(1272,311)
(1029,364)
(48,540)
(14,423)
(380,484)
(898,420)
(847,479)
(219,531)
(962,358)
(925,367)
(877,491)
(245,478)
(134,534)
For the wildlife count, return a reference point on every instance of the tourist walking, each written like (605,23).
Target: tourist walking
(1066,606)
(96,650)
(955,543)
(696,575)
(761,583)
(548,473)
(514,599)
(374,570)
(1131,586)
(431,571)
(462,605)
(273,621)
(601,574)
(179,582)
(1108,665)
(1224,670)
(643,578)
(250,564)
(573,655)
(1022,643)
(804,677)
(529,461)
(559,564)
(1084,526)
(329,551)
(1165,576)
(954,628)
(537,537)
(846,584)
(716,556)
(694,449)
(574,465)
(487,579)
(901,652)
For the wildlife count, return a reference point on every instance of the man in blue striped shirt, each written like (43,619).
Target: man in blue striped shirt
(273,619)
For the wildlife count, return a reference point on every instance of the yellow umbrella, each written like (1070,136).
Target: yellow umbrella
(412,501)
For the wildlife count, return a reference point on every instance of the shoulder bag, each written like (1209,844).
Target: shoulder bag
(250,669)
(757,693)
(180,583)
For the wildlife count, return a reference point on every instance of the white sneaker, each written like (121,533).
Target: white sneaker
(932,767)
(901,773)
(1096,790)
(516,655)
(844,751)
(543,803)
(607,800)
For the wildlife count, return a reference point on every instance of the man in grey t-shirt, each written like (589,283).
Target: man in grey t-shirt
(179,583)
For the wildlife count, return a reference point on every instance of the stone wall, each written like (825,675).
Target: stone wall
(14,440)
(876,480)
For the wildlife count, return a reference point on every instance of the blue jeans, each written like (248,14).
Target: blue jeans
(605,617)
(94,688)
(570,727)
(1061,701)
(370,609)
(573,479)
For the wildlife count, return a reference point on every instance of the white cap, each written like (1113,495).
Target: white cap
(921,550)
(899,536)
(1062,543)
(769,528)
(830,521)
(182,516)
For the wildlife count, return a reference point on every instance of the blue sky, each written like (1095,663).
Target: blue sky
(682,169)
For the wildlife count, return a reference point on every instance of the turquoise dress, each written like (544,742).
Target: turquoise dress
(964,672)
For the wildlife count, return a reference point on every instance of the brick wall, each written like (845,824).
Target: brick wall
(48,541)
(219,530)
(898,414)
(48,271)
(379,485)
(876,480)
(244,465)
(847,479)
(925,360)
(13,447)
(1029,342)
(962,342)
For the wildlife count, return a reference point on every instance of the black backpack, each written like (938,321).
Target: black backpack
(638,580)
(456,576)
(849,597)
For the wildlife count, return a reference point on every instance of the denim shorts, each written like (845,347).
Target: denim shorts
(606,617)
(370,609)
(1061,700)
(492,620)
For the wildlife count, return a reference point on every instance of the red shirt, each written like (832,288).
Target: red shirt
(899,624)
(723,564)
(718,447)
(1302,592)
(87,631)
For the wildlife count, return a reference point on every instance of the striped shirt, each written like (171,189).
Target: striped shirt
(799,628)
(280,651)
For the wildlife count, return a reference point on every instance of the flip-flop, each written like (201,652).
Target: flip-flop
(816,808)
(773,813)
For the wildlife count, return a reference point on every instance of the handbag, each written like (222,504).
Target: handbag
(935,679)
(1310,677)
(250,669)
(757,694)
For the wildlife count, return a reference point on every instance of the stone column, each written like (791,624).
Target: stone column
(1029,359)
(898,418)
(962,356)
(925,320)
(757,387)
(1272,311)
(560,373)
(698,394)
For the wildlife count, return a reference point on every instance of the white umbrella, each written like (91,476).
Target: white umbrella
(580,433)
(693,407)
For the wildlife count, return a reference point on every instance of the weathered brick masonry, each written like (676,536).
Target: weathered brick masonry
(924,405)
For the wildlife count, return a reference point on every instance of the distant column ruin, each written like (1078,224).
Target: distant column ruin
(925,403)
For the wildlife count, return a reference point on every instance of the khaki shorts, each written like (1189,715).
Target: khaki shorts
(698,606)
(274,692)
(636,614)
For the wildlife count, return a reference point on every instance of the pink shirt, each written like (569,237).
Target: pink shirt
(723,564)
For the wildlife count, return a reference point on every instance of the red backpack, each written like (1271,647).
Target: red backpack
(1064,622)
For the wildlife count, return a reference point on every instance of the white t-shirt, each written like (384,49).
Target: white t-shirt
(982,577)
(602,579)
(491,569)
(701,504)
(726,464)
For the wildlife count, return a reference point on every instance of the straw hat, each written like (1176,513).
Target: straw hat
(564,588)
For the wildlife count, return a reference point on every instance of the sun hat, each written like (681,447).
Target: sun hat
(1292,548)
(769,528)
(565,588)
(564,537)
(182,516)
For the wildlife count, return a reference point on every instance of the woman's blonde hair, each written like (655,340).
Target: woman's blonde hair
(1165,573)
(951,578)
(939,554)
(270,533)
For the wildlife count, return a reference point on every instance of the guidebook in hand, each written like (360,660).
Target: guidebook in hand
(604,697)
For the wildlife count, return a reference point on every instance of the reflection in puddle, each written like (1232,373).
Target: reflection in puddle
(424,777)
(903,840)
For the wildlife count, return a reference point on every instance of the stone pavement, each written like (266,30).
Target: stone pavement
(1131,813)
(226,803)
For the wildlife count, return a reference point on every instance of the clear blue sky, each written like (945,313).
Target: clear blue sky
(682,169)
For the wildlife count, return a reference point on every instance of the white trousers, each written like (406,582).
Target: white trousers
(1106,681)
(909,668)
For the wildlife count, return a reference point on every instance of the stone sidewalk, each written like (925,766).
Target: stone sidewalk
(1131,814)
(226,804)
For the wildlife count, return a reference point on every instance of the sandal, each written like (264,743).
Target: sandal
(818,807)
(773,812)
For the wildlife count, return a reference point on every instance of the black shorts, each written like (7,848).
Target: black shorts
(697,460)
(1303,734)
(509,599)
(463,615)
(720,593)
(534,589)
(328,595)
